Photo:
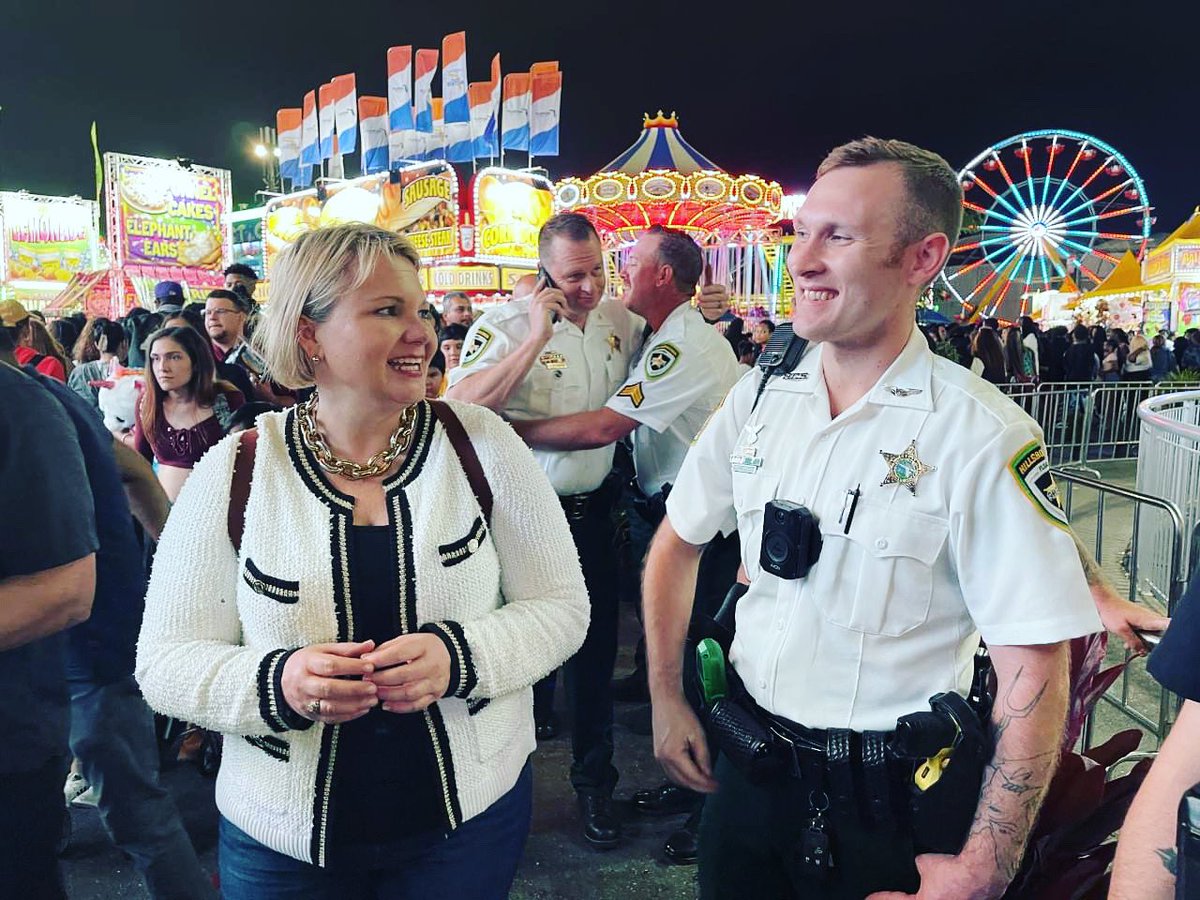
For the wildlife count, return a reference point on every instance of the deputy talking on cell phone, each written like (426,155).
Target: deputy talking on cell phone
(566,349)
(893,508)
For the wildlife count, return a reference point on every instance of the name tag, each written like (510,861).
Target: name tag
(553,360)
(745,460)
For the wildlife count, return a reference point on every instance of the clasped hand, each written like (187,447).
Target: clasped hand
(340,682)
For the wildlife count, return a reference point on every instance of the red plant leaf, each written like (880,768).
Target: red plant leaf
(1075,792)
(1109,815)
(1116,747)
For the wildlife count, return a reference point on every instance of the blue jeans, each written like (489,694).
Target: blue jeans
(112,735)
(477,861)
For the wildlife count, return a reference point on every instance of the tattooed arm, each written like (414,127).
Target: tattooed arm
(1120,616)
(1027,722)
(1145,865)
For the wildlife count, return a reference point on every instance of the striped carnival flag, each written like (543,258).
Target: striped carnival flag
(491,134)
(326,120)
(516,111)
(399,90)
(373,122)
(435,142)
(454,78)
(480,94)
(287,129)
(423,71)
(545,109)
(345,112)
(309,141)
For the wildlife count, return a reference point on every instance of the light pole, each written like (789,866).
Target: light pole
(267,152)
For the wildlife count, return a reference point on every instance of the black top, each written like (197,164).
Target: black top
(1173,662)
(387,796)
(104,648)
(46,520)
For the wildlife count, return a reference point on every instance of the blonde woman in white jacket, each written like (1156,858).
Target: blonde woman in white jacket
(369,650)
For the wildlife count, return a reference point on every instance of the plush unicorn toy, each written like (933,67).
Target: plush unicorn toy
(118,397)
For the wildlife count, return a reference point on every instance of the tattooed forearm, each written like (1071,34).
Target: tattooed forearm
(1091,568)
(1016,779)
(1168,857)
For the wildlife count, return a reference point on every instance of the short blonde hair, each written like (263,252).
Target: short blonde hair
(935,194)
(307,281)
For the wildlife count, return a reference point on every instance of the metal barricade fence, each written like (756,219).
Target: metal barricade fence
(1087,421)
(1115,532)
(1169,467)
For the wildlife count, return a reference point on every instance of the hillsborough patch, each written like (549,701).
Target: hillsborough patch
(479,343)
(1031,469)
(660,359)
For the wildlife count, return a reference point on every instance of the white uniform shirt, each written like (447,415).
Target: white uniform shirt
(576,371)
(685,372)
(892,611)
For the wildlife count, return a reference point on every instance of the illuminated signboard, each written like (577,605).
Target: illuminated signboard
(422,205)
(163,214)
(510,208)
(46,240)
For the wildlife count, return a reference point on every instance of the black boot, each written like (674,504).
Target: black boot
(601,828)
(683,846)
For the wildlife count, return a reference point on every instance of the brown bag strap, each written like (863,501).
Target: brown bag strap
(461,443)
(239,488)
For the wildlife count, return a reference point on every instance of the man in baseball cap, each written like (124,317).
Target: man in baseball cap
(168,297)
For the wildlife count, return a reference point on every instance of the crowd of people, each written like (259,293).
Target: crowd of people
(378,530)
(1022,353)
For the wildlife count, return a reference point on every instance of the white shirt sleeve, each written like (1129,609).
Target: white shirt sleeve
(701,501)
(1012,548)
(487,343)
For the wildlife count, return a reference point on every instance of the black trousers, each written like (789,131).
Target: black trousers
(31,824)
(588,674)
(749,835)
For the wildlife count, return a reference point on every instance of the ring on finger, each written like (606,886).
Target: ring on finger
(313,708)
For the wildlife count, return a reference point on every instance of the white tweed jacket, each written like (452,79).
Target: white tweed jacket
(509,602)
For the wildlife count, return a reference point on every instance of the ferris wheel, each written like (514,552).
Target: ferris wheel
(1043,210)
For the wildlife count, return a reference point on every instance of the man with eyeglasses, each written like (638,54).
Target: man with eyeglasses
(225,314)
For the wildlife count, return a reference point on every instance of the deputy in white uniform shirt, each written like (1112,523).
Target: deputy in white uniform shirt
(940,523)
(679,377)
(683,373)
(565,350)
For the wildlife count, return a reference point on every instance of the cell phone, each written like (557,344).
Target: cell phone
(544,276)
(1151,638)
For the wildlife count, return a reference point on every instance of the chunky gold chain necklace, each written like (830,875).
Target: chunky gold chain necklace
(398,443)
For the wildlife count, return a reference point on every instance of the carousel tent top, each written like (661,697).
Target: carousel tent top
(662,180)
(661,146)
(1125,278)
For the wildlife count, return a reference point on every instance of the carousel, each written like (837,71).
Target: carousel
(662,180)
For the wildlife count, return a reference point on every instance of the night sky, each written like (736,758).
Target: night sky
(762,88)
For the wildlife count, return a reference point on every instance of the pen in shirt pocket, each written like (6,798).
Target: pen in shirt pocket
(849,504)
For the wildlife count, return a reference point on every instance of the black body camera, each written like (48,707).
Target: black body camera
(791,540)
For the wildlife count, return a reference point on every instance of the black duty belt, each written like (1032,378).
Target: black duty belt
(580,506)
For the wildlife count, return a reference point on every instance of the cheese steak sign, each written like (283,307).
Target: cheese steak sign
(422,204)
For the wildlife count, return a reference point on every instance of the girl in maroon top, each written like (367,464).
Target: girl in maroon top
(183,410)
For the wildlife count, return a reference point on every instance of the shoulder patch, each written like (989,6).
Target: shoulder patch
(660,359)
(633,393)
(479,343)
(1030,467)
